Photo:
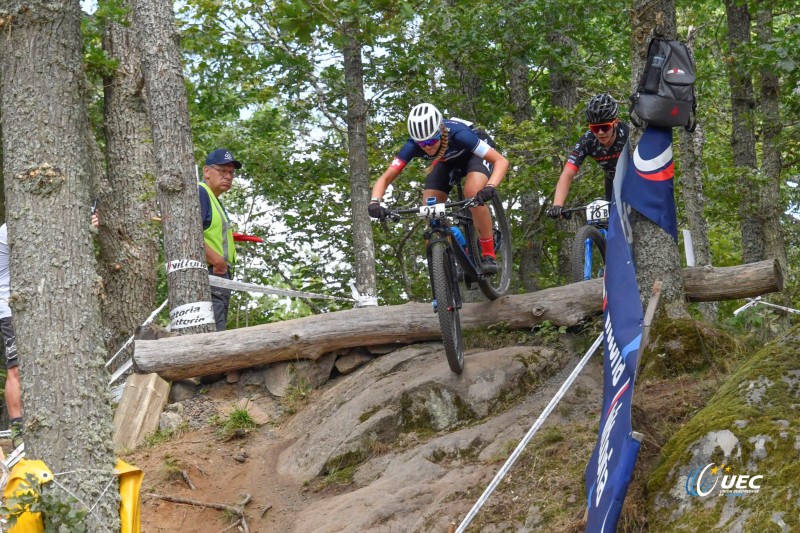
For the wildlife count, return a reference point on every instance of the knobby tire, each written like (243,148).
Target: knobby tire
(444,291)
(578,253)
(493,287)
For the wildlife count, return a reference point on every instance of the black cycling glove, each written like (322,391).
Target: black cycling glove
(484,195)
(376,210)
(557,211)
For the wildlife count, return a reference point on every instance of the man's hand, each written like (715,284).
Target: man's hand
(220,269)
(376,210)
(557,211)
(485,194)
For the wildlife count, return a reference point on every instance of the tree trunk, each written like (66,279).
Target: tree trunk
(311,337)
(694,201)
(771,209)
(463,96)
(563,94)
(176,182)
(55,289)
(358,158)
(655,252)
(128,236)
(743,141)
(531,250)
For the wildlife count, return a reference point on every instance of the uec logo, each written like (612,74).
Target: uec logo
(702,481)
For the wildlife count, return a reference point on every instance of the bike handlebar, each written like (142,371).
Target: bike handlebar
(394,214)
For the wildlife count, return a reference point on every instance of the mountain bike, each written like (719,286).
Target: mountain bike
(588,254)
(453,255)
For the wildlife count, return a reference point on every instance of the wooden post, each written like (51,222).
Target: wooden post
(139,410)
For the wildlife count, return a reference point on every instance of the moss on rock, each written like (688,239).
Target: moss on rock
(750,426)
(684,346)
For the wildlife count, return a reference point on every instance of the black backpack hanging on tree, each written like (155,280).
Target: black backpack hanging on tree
(665,94)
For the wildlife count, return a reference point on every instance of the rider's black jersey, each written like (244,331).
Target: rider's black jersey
(605,157)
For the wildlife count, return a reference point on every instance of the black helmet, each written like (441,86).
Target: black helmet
(601,108)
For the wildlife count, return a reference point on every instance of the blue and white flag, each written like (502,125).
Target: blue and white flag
(610,468)
(649,188)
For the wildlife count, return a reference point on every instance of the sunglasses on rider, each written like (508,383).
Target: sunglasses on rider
(601,128)
(430,142)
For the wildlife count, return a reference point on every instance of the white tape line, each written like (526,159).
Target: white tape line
(191,314)
(224,283)
(184,264)
(152,317)
(528,436)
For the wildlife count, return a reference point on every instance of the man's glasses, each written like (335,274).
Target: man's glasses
(430,142)
(601,128)
(224,171)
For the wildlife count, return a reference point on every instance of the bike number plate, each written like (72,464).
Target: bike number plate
(597,211)
(432,211)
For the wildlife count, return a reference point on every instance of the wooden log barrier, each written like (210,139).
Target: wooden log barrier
(310,337)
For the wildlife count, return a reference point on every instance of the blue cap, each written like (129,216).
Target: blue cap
(222,156)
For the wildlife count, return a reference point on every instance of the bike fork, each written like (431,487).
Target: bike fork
(587,259)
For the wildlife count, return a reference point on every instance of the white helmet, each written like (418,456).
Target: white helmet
(424,122)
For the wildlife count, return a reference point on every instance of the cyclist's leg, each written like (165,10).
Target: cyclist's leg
(437,183)
(609,189)
(478,172)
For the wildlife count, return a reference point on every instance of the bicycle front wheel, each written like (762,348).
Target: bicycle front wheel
(588,255)
(444,287)
(494,287)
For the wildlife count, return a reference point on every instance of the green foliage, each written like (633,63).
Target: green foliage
(548,333)
(237,424)
(59,511)
(264,79)
(296,394)
(158,437)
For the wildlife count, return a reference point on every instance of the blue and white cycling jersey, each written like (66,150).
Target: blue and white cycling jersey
(462,142)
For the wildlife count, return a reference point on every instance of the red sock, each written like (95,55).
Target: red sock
(487,248)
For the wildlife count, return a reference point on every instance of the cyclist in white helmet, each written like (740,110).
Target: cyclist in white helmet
(451,144)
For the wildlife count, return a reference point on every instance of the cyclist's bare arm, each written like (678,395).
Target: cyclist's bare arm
(499,166)
(564,182)
(386,179)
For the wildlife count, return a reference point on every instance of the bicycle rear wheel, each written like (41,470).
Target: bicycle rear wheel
(493,287)
(444,287)
(587,262)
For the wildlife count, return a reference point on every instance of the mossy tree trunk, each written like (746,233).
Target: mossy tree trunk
(655,252)
(743,138)
(129,243)
(176,182)
(771,210)
(55,289)
(694,200)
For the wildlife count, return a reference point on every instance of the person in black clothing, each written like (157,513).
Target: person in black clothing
(603,142)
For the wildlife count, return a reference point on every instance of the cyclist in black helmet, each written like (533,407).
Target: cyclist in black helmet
(603,142)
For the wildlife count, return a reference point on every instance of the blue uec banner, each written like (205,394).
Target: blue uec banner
(611,465)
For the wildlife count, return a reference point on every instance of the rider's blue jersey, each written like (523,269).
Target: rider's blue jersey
(462,142)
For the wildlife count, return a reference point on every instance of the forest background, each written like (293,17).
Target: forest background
(266,80)
(312,97)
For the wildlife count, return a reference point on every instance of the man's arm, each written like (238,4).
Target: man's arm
(220,267)
(564,182)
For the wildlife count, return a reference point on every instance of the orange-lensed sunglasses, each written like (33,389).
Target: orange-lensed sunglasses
(601,128)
